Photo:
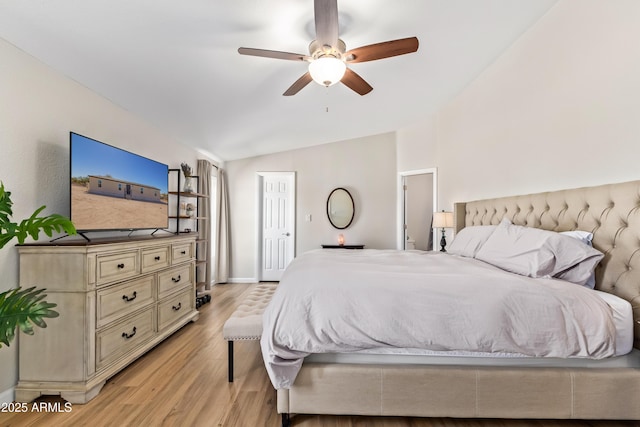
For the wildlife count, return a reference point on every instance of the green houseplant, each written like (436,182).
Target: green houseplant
(22,308)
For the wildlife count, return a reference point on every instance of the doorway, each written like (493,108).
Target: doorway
(416,204)
(276,223)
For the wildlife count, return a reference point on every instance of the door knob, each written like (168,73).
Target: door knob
(286,234)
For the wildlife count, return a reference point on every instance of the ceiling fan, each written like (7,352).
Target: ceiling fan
(328,58)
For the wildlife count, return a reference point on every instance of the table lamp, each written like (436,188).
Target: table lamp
(443,220)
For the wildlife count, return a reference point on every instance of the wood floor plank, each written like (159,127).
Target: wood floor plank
(183,382)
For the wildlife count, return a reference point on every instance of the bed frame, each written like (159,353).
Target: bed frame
(612,213)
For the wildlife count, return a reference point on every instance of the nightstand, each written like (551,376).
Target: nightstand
(342,246)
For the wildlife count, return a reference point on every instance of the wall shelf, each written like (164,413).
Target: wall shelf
(183,223)
(187,194)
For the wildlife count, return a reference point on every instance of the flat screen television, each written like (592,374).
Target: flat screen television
(113,189)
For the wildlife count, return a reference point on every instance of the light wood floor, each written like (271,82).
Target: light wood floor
(183,382)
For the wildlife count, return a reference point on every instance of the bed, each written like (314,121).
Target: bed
(605,386)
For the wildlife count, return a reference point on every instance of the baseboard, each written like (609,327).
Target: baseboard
(242,280)
(8,396)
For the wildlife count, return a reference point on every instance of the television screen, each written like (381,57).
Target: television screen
(113,189)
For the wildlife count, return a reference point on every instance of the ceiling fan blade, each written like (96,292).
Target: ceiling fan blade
(276,54)
(299,84)
(353,81)
(326,17)
(382,50)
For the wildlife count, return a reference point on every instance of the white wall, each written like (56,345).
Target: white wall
(38,109)
(417,145)
(560,109)
(366,167)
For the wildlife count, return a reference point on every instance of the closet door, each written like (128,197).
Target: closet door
(277,223)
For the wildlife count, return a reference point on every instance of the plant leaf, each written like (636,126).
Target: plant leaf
(22,308)
(34,224)
(5,204)
(31,226)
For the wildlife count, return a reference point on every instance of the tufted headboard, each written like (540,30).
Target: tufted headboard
(611,212)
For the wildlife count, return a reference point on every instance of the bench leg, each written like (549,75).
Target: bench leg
(230,357)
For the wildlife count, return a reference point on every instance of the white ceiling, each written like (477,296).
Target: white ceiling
(175,63)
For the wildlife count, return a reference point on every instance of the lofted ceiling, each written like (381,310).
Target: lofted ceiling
(175,63)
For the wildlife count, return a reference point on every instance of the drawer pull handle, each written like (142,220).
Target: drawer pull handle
(157,258)
(120,265)
(127,336)
(176,280)
(178,307)
(183,252)
(127,299)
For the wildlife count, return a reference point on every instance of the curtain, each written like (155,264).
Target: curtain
(221,261)
(204,226)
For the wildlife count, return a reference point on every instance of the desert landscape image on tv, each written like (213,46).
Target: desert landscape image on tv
(112,189)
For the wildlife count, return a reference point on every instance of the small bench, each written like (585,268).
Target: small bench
(246,321)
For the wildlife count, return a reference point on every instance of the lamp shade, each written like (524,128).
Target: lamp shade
(327,70)
(443,219)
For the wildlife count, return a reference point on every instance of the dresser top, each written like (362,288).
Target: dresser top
(77,240)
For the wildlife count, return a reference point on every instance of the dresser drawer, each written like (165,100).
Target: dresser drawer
(119,300)
(177,278)
(122,337)
(181,252)
(155,258)
(175,307)
(110,268)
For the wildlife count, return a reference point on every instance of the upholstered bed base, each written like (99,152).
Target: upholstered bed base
(464,392)
(612,214)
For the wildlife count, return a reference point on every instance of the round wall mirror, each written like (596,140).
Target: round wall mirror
(340,208)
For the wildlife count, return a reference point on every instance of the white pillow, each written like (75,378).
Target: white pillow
(469,240)
(577,273)
(586,238)
(591,281)
(538,253)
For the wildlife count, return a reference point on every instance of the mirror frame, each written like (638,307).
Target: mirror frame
(353,208)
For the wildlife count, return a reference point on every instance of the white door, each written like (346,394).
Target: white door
(277,243)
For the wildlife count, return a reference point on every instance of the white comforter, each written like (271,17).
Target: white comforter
(348,300)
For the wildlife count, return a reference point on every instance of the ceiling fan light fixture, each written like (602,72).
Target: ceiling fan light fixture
(328,56)
(327,70)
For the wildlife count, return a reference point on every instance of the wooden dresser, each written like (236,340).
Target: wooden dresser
(116,298)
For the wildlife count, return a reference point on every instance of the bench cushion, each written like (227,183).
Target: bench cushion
(246,321)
